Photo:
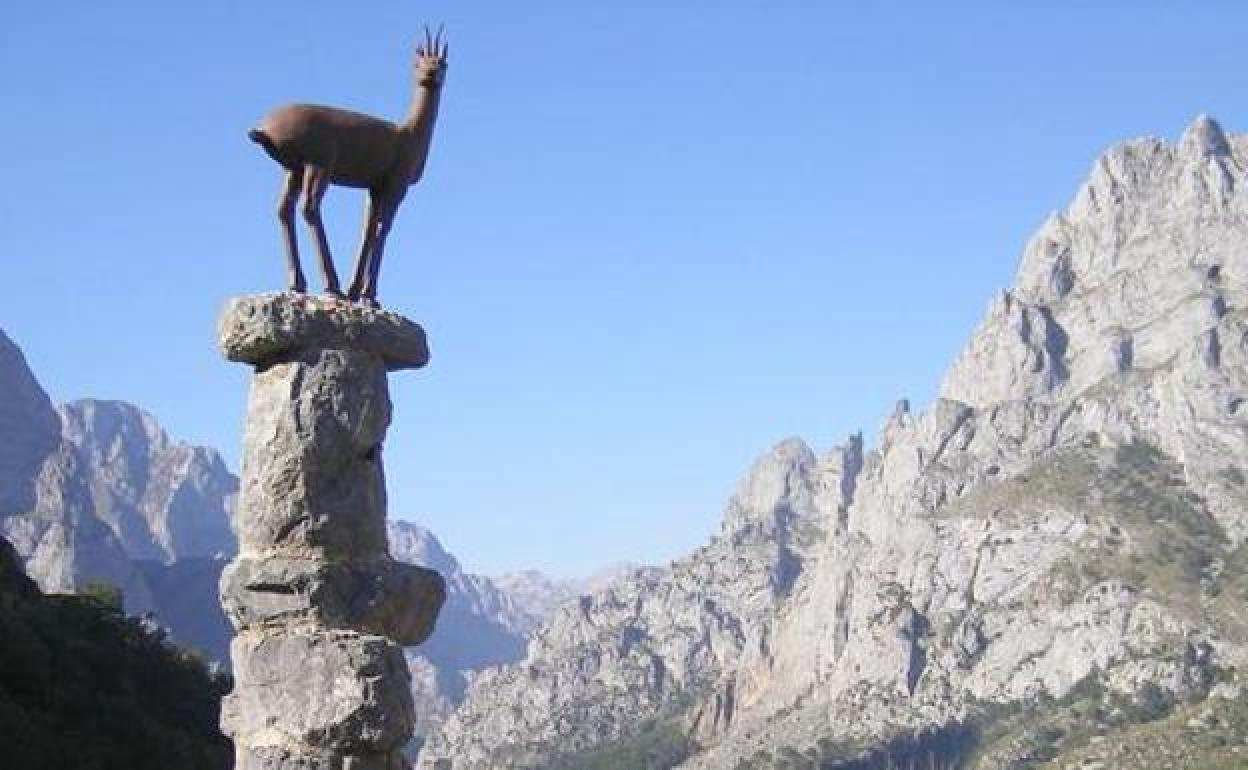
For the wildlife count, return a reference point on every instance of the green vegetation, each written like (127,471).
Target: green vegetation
(1025,736)
(1147,529)
(1230,595)
(84,687)
(940,748)
(1148,730)
(658,745)
(106,594)
(1208,734)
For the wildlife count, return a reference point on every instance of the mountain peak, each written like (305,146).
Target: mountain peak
(1121,281)
(95,424)
(777,485)
(413,544)
(1204,138)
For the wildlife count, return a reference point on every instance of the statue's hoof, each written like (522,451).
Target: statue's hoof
(334,294)
(370,302)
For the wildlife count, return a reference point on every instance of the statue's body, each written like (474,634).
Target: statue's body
(319,146)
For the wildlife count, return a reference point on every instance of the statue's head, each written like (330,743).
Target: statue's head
(431,59)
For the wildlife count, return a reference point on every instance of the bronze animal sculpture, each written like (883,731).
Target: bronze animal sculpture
(319,146)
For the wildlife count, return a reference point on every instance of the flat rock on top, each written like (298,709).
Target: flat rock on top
(264,328)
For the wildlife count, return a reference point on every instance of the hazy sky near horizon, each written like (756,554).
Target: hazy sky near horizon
(654,238)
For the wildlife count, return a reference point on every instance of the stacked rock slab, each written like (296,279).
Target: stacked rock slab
(320,607)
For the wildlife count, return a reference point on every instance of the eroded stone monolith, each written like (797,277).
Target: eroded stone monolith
(320,607)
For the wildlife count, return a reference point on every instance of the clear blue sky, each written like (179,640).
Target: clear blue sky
(654,237)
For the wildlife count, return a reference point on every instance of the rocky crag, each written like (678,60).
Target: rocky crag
(1062,529)
(95,491)
(319,605)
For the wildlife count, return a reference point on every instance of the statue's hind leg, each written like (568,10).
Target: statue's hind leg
(315,183)
(286,216)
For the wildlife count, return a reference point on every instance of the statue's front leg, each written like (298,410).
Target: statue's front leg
(385,219)
(368,238)
(286,216)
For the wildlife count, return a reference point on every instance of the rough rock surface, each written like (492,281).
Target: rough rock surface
(89,490)
(265,328)
(320,683)
(1073,507)
(30,429)
(164,500)
(110,494)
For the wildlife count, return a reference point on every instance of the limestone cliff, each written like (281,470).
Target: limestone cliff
(1070,510)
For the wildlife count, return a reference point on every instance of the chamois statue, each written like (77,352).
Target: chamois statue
(319,146)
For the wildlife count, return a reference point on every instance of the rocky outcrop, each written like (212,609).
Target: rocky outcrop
(30,429)
(164,500)
(319,605)
(91,489)
(1070,508)
(46,507)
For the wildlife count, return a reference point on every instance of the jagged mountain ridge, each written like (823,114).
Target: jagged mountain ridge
(164,500)
(539,595)
(1065,509)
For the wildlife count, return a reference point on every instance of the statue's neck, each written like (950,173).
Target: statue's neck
(423,112)
(417,130)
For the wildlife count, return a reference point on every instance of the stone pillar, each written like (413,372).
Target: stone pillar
(320,682)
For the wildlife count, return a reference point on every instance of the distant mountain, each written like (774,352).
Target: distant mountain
(163,500)
(1046,569)
(479,626)
(49,492)
(538,595)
